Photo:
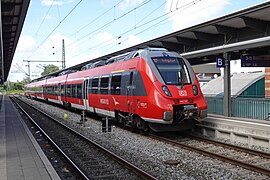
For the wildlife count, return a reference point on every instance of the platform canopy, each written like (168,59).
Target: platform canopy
(13,13)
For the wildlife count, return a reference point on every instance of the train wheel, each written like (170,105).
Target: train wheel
(145,126)
(141,124)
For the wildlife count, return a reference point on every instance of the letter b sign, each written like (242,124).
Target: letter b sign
(220,62)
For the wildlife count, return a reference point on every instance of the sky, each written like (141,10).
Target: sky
(93,28)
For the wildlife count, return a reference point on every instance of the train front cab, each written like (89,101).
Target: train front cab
(174,94)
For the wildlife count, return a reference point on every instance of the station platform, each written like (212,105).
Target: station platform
(20,155)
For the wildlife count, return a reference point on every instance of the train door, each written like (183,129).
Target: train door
(85,93)
(59,93)
(130,93)
(42,91)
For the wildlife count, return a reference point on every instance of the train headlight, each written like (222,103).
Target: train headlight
(195,90)
(166,91)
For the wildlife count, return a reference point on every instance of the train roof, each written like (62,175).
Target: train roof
(97,62)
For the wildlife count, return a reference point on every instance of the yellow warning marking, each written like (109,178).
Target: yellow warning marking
(118,71)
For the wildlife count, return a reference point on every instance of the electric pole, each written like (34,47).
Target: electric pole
(63,55)
(28,61)
(63,59)
(28,69)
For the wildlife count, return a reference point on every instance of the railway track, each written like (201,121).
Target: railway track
(91,160)
(247,158)
(1,97)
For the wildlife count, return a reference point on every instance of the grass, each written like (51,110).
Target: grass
(13,92)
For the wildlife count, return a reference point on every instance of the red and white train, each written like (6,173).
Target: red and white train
(145,88)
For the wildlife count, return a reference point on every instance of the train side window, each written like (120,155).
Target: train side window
(104,85)
(58,90)
(54,90)
(68,90)
(49,89)
(44,89)
(62,90)
(73,91)
(79,91)
(89,86)
(40,89)
(94,88)
(116,84)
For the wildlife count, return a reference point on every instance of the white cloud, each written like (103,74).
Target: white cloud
(50,50)
(133,40)
(92,55)
(105,38)
(26,43)
(191,12)
(123,5)
(129,3)
(51,2)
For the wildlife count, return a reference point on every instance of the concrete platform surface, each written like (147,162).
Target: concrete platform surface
(20,155)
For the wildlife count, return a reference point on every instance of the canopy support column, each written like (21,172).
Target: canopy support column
(227,85)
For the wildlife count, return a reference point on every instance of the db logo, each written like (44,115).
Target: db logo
(182,92)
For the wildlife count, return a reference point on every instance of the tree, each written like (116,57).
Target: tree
(26,80)
(49,69)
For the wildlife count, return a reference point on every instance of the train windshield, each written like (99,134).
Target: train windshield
(173,70)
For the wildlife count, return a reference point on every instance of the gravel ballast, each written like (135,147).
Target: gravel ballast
(150,154)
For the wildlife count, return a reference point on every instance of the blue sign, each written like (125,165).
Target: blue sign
(220,62)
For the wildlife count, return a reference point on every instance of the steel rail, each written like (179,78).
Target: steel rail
(213,155)
(52,141)
(130,166)
(239,148)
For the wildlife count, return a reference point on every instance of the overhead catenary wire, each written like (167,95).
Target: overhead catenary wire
(96,30)
(95,19)
(41,23)
(115,19)
(177,9)
(159,23)
(61,21)
(19,68)
(148,22)
(137,26)
(194,1)
(107,24)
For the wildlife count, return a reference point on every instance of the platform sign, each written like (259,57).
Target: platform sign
(220,62)
(255,61)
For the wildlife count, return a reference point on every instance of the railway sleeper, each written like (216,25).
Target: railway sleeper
(262,163)
(107,176)
(100,172)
